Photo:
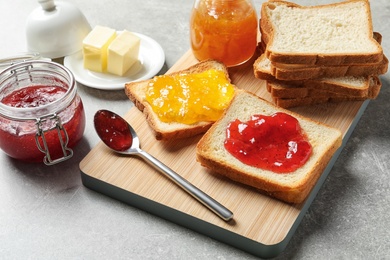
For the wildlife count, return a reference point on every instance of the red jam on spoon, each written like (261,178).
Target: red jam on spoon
(117,134)
(113,130)
(276,143)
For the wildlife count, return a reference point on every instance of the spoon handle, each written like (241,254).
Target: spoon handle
(202,197)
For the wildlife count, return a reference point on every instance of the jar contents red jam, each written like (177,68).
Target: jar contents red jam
(41,115)
(18,137)
(33,96)
(276,142)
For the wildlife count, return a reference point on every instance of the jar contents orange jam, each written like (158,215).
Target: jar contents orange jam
(276,143)
(224,30)
(190,98)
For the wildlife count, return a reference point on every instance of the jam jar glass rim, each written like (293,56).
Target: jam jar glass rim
(197,2)
(18,58)
(32,113)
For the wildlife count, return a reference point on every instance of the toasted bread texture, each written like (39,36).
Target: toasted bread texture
(136,91)
(291,187)
(334,34)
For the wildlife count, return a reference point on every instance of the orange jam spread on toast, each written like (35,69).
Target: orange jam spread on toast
(190,98)
(276,142)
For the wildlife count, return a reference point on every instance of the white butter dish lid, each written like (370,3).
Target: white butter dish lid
(56,29)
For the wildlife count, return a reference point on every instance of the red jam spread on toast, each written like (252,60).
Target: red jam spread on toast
(276,142)
(190,98)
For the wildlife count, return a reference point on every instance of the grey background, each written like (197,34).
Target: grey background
(46,212)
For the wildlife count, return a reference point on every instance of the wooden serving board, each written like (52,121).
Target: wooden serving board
(262,226)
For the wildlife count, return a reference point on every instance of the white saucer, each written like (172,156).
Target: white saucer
(151,59)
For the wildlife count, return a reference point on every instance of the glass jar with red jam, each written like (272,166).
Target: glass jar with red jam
(41,115)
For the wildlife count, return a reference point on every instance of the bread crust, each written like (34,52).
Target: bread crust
(373,92)
(268,30)
(168,131)
(318,88)
(332,71)
(291,187)
(317,72)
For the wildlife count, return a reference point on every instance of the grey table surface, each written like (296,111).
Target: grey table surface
(47,213)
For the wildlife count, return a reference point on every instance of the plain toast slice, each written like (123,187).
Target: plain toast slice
(359,87)
(373,92)
(333,34)
(264,69)
(290,187)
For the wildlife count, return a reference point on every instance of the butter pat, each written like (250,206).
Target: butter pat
(123,53)
(95,46)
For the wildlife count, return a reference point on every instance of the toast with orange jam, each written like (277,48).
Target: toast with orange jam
(167,120)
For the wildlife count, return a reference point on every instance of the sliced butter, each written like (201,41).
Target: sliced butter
(123,53)
(95,46)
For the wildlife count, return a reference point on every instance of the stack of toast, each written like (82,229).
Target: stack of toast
(318,54)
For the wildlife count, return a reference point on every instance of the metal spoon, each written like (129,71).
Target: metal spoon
(118,135)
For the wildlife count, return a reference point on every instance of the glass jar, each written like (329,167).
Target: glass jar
(20,57)
(224,30)
(41,115)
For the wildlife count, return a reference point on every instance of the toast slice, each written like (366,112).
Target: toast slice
(373,92)
(136,92)
(360,87)
(265,69)
(322,97)
(334,34)
(289,187)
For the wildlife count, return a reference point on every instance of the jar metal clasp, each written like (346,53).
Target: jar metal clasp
(63,139)
(16,71)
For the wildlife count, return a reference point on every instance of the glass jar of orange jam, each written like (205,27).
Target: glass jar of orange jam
(224,30)
(41,115)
